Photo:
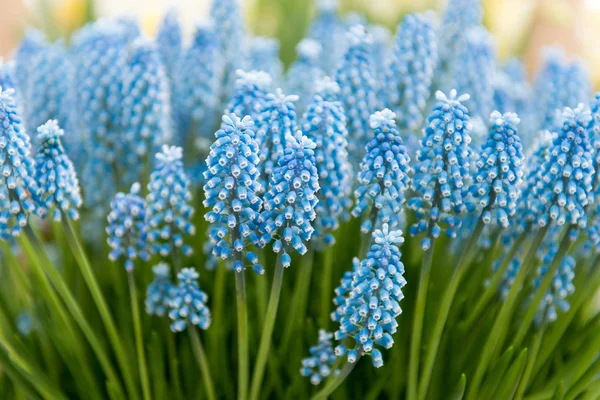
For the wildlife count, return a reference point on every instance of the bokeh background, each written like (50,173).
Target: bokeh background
(521,27)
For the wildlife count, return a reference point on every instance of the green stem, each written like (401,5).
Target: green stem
(326,292)
(331,386)
(498,331)
(365,239)
(139,340)
(174,364)
(583,382)
(98,297)
(447,299)
(535,348)
(417,331)
(265,339)
(242,336)
(203,362)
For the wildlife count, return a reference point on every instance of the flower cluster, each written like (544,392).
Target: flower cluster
(322,357)
(160,291)
(55,174)
(264,56)
(188,303)
(369,311)
(250,94)
(289,205)
(168,203)
(499,169)
(7,74)
(329,31)
(34,42)
(304,72)
(594,134)
(169,41)
(127,229)
(442,168)
(384,172)
(231,191)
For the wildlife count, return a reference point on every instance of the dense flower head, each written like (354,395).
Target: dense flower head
(322,358)
(382,52)
(169,39)
(33,43)
(277,121)
(289,205)
(442,169)
(328,29)
(250,94)
(7,74)
(188,302)
(145,106)
(512,91)
(565,187)
(370,308)
(197,89)
(410,72)
(459,16)
(384,171)
(499,170)
(264,56)
(358,88)
(127,228)
(303,74)
(232,183)
(594,134)
(325,124)
(18,188)
(160,290)
(169,203)
(55,174)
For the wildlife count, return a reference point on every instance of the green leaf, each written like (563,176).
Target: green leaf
(495,375)
(459,391)
(513,376)
(560,392)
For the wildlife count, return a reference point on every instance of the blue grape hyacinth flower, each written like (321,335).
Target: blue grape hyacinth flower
(594,135)
(160,290)
(127,228)
(442,169)
(169,40)
(7,74)
(289,204)
(303,74)
(499,170)
(34,42)
(329,31)
(371,306)
(264,56)
(232,183)
(169,209)
(384,173)
(410,72)
(188,302)
(55,174)
(567,173)
(18,188)
(249,97)
(322,358)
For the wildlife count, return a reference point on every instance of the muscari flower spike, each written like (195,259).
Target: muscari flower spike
(594,134)
(33,43)
(18,188)
(329,31)
(264,56)
(169,39)
(169,211)
(325,124)
(188,303)
(381,51)
(358,88)
(368,312)
(410,72)
(322,358)
(304,72)
(499,170)
(567,173)
(512,91)
(145,106)
(55,174)
(442,169)
(127,228)
(250,94)
(384,172)
(160,290)
(289,205)
(231,191)
(7,74)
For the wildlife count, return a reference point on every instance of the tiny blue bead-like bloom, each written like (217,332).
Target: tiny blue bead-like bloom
(55,174)
(169,39)
(322,358)
(325,124)
(169,209)
(230,190)
(264,56)
(372,305)
(567,173)
(343,290)
(304,72)
(188,302)
(410,72)
(249,97)
(499,170)
(18,188)
(358,88)
(509,276)
(7,74)
(145,103)
(33,43)
(442,169)
(594,134)
(24,323)
(328,29)
(160,290)
(384,172)
(289,204)
(197,88)
(277,122)
(127,228)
